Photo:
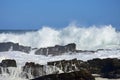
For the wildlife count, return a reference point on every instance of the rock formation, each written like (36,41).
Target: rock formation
(69,65)
(107,68)
(56,50)
(14,46)
(35,70)
(76,75)
(5,64)
(8,63)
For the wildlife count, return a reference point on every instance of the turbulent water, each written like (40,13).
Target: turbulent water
(21,58)
(91,38)
(86,38)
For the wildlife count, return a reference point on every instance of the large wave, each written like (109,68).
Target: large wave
(85,38)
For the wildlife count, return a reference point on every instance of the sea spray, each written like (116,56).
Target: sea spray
(86,38)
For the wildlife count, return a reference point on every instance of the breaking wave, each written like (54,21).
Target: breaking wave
(86,38)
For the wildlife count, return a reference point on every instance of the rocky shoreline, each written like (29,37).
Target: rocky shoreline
(71,69)
(52,50)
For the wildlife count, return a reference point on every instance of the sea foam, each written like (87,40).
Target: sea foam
(89,38)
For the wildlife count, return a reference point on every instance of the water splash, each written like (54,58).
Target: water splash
(86,38)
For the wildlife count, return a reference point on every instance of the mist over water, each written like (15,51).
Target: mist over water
(89,38)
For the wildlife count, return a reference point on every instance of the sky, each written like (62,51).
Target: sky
(33,14)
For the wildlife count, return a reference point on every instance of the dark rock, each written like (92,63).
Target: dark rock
(111,68)
(71,47)
(85,51)
(41,51)
(35,70)
(56,50)
(14,46)
(108,68)
(0,70)
(69,65)
(95,65)
(5,64)
(76,75)
(8,63)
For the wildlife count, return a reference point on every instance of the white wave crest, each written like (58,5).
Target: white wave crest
(86,38)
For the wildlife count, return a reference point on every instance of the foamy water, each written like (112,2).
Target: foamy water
(21,58)
(90,38)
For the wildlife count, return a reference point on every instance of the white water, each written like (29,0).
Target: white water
(21,58)
(90,38)
(14,74)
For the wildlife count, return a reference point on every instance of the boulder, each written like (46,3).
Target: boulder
(107,68)
(95,65)
(8,63)
(14,46)
(76,75)
(111,68)
(5,64)
(35,70)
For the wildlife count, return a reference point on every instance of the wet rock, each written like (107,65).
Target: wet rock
(56,50)
(14,46)
(76,75)
(0,70)
(95,65)
(35,70)
(5,64)
(69,65)
(8,63)
(85,51)
(111,68)
(42,51)
(71,47)
(107,68)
